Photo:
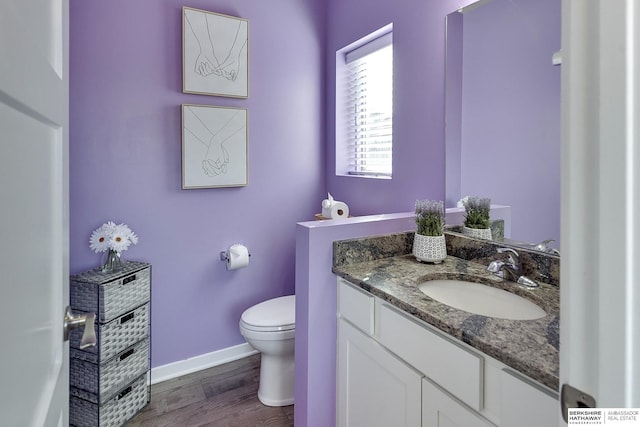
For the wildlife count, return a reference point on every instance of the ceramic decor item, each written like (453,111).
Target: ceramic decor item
(429,243)
(431,249)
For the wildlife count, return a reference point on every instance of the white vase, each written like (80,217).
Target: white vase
(477,233)
(429,248)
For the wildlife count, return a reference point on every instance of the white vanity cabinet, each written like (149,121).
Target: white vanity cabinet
(439,409)
(375,388)
(454,368)
(525,403)
(394,369)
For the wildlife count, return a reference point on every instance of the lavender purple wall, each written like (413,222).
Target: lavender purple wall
(418,120)
(511,112)
(125,151)
(316,307)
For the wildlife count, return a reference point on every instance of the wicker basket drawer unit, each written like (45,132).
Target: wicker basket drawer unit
(112,294)
(109,382)
(113,413)
(99,383)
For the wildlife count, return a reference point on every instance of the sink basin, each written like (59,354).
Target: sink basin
(481,299)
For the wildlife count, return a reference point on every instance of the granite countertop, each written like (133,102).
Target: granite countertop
(527,346)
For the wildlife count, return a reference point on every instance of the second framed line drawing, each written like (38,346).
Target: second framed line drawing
(214,146)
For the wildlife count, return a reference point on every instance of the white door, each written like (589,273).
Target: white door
(33,211)
(600,276)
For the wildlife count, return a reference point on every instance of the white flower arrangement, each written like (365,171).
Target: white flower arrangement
(111,236)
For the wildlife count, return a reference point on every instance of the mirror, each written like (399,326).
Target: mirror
(503,111)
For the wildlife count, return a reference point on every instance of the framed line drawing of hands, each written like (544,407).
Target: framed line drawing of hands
(214,146)
(215,59)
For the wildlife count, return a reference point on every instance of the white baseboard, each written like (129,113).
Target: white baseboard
(198,363)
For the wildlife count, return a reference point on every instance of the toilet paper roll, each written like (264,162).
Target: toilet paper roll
(238,257)
(338,210)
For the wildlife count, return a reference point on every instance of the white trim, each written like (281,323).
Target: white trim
(198,363)
(369,47)
(344,154)
(364,40)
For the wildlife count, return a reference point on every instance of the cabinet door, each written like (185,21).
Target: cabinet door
(374,387)
(441,410)
(527,404)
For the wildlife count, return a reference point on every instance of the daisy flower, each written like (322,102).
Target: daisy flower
(99,241)
(120,238)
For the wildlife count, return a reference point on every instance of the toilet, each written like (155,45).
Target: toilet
(270,328)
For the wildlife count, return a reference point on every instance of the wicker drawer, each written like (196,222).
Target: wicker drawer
(103,381)
(110,295)
(113,337)
(115,412)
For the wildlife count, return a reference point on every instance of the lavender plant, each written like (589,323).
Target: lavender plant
(430,217)
(477,212)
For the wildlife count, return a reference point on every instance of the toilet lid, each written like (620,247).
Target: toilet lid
(278,313)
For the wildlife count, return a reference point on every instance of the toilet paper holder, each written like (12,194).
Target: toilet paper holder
(224,255)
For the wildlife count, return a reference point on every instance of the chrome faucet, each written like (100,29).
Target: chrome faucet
(511,269)
(544,247)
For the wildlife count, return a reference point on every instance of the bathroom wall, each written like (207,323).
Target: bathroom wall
(125,159)
(316,307)
(418,119)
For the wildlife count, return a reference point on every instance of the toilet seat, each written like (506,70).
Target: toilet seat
(277,314)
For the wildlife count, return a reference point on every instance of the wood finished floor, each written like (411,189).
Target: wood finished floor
(225,395)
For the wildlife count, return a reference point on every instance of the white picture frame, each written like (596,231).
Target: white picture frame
(215,54)
(214,146)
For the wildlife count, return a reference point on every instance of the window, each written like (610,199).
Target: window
(364,107)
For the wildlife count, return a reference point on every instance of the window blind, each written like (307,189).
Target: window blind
(370,107)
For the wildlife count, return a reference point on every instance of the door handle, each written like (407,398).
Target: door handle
(72,321)
(571,397)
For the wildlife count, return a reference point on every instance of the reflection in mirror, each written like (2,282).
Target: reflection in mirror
(503,112)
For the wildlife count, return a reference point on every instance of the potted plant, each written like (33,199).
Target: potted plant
(429,243)
(476,220)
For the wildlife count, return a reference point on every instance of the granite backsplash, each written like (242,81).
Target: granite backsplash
(536,265)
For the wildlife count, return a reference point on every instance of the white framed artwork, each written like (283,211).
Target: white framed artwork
(214,146)
(215,58)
